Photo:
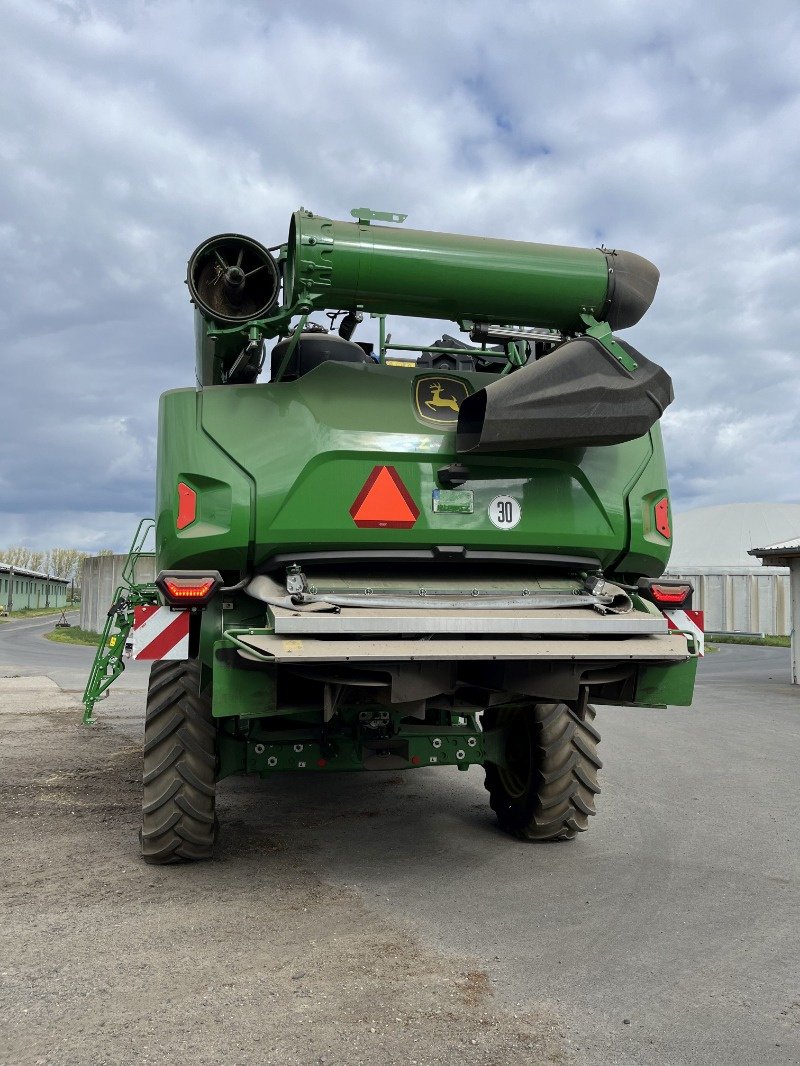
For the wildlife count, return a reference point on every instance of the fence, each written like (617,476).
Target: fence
(741,599)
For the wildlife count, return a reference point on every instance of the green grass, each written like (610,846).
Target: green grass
(37,612)
(743,638)
(74,635)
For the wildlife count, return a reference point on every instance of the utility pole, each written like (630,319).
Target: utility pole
(10,603)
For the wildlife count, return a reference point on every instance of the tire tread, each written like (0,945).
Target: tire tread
(180,758)
(560,797)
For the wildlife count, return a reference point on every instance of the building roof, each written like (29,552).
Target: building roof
(723,536)
(770,556)
(20,571)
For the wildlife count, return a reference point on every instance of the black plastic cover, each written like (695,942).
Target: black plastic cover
(578,395)
(446,361)
(632,284)
(484,360)
(312,350)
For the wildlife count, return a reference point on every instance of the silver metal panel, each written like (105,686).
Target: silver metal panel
(445,593)
(664,648)
(387,622)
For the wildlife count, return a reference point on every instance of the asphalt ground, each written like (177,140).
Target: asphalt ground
(24,652)
(670,933)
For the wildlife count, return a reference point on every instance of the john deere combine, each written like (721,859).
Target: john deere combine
(381,556)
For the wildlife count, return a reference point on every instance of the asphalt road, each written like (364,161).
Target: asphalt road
(25,652)
(670,933)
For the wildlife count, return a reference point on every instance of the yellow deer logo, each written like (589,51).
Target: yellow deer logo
(437,400)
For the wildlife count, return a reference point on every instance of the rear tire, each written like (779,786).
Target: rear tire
(546,789)
(180,762)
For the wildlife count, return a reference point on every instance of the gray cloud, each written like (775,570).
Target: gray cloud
(131,133)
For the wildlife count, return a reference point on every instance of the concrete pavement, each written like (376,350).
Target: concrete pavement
(670,933)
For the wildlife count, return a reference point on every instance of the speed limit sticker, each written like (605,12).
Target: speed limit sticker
(504,512)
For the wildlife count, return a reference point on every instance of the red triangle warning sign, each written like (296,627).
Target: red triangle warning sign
(384,502)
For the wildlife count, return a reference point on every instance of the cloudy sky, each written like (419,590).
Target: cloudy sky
(132,131)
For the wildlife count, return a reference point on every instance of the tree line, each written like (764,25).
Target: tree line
(64,563)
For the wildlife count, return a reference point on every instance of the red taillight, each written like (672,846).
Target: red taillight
(187,506)
(671,595)
(178,589)
(186,588)
(666,594)
(661,510)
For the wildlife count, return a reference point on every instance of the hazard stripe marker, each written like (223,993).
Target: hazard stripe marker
(688,622)
(159,633)
(384,502)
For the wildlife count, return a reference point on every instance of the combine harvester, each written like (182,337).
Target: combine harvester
(365,565)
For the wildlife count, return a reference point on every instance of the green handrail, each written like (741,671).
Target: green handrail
(108,661)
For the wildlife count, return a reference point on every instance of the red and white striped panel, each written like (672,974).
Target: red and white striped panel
(159,633)
(688,622)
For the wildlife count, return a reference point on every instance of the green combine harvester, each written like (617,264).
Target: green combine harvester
(386,556)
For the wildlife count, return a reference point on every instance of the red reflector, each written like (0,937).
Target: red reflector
(670,593)
(187,506)
(415,760)
(662,518)
(178,588)
(384,502)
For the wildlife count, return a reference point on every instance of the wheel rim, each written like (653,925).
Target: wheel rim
(515,775)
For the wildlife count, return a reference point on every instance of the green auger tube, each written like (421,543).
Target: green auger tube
(393,270)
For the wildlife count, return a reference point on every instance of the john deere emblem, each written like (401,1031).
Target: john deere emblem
(437,399)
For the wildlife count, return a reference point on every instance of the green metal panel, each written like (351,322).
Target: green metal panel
(647,546)
(301,752)
(292,458)
(237,691)
(666,686)
(225,492)
(277,466)
(442,275)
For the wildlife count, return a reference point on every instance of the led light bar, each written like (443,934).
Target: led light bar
(664,593)
(188,588)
